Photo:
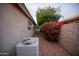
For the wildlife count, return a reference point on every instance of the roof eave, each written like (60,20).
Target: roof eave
(24,10)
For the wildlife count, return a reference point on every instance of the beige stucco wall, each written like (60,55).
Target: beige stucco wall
(13,28)
(69,38)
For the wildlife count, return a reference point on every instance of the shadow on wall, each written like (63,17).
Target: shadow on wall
(13,26)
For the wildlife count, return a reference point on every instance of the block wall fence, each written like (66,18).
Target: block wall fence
(69,38)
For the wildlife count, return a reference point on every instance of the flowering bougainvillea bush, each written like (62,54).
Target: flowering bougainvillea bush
(52,29)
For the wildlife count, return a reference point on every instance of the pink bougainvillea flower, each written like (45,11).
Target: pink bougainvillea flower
(50,28)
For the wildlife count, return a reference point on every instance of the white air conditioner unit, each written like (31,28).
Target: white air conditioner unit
(28,47)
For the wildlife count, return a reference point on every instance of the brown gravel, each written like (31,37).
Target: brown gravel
(50,48)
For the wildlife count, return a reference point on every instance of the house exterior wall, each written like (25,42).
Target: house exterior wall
(69,37)
(13,28)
